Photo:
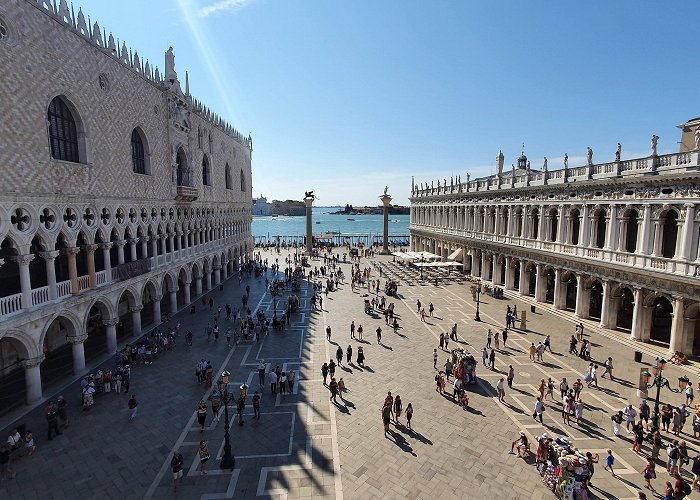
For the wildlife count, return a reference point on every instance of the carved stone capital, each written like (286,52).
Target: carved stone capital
(105,246)
(23,260)
(77,339)
(135,309)
(71,251)
(90,248)
(49,255)
(32,362)
(110,322)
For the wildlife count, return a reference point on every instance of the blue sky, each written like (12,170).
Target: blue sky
(345,97)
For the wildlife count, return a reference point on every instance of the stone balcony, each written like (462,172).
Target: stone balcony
(186,193)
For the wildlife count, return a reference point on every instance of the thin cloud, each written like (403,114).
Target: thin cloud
(222,6)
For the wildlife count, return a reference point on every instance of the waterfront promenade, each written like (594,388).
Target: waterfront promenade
(305,446)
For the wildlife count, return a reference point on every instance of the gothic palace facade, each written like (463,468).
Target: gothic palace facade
(614,242)
(122,197)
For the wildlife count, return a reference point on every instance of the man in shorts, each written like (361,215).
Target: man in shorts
(176,464)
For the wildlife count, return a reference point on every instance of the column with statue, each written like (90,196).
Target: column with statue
(308,200)
(386,200)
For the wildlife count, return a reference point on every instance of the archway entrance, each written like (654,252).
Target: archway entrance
(532,272)
(58,352)
(571,292)
(596,301)
(148,298)
(125,327)
(661,319)
(625,309)
(13,388)
(516,276)
(550,280)
(96,342)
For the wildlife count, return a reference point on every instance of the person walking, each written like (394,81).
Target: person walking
(511,376)
(435,358)
(431,308)
(333,386)
(532,350)
(563,388)
(504,334)
(176,465)
(348,354)
(501,391)
(290,380)
(215,406)
(331,368)
(609,462)
(339,355)
(359,332)
(352,330)
(489,336)
(492,359)
(240,407)
(608,365)
(361,356)
(379,335)
(484,356)
(649,473)
(261,373)
(409,415)
(256,405)
(52,419)
(202,414)
(203,457)
(283,383)
(386,417)
(328,333)
(496,340)
(133,406)
(446,337)
(341,389)
(548,343)
(539,410)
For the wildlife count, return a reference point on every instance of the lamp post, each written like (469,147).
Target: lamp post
(659,381)
(478,297)
(227,461)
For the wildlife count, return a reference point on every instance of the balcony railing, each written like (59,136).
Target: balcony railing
(10,304)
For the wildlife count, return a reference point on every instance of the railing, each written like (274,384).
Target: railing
(83,283)
(40,295)
(63,289)
(621,257)
(659,264)
(10,304)
(100,278)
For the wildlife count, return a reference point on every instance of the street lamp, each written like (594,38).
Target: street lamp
(659,381)
(227,461)
(478,296)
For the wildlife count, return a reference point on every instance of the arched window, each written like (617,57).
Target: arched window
(138,153)
(63,132)
(242,182)
(206,171)
(229,184)
(183,172)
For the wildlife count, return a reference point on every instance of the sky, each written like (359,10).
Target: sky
(347,97)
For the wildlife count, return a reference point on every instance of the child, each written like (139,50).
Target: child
(29,443)
(610,461)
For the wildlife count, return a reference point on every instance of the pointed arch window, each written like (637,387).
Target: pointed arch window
(228,177)
(138,153)
(206,171)
(243,188)
(63,132)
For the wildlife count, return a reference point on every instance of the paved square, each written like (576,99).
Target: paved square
(306,446)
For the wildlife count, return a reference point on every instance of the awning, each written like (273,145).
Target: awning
(456,255)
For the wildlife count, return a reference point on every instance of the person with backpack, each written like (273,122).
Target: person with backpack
(608,365)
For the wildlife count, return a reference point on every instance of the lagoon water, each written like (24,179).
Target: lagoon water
(266,227)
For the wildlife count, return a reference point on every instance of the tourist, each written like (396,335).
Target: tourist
(609,462)
(215,399)
(563,388)
(550,389)
(341,389)
(496,340)
(540,351)
(431,308)
(643,411)
(333,387)
(608,365)
(511,376)
(240,407)
(133,406)
(638,430)
(492,359)
(328,333)
(361,356)
(501,390)
(52,419)
(504,334)
(331,368)
(484,356)
(352,330)
(572,346)
(386,417)
(673,454)
(617,422)
(290,380)
(696,471)
(656,444)
(398,408)
(532,350)
(201,414)
(548,343)
(203,457)
(339,355)
(579,411)
(379,335)
(261,373)
(256,404)
(348,354)
(176,464)
(5,471)
(488,339)
(409,416)
(359,332)
(283,383)
(539,410)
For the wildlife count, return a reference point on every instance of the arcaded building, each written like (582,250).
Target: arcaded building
(122,197)
(615,242)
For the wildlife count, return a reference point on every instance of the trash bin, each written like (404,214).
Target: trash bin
(637,356)
(532,309)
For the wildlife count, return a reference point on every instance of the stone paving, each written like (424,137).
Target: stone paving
(305,446)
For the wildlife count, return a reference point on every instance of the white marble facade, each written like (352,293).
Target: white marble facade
(122,197)
(616,242)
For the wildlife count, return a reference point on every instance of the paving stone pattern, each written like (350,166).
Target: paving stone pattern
(306,446)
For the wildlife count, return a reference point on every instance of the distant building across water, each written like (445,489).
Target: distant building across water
(261,206)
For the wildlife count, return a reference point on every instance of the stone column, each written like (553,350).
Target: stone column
(217,276)
(687,238)
(173,300)
(509,274)
(525,233)
(157,314)
(386,201)
(107,259)
(32,378)
(154,244)
(73,269)
(605,309)
(198,285)
(612,231)
(171,243)
(188,299)
(561,230)
(78,353)
(539,284)
(309,234)
(558,295)
(120,251)
(644,234)
(136,319)
(622,240)
(225,269)
(92,279)
(522,286)
(637,315)
(111,325)
(49,258)
(25,281)
(541,229)
(207,277)
(585,237)
(688,334)
(132,248)
(144,246)
(580,296)
(496,277)
(658,228)
(483,269)
(677,325)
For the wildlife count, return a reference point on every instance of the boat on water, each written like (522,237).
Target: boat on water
(351,219)
(318,222)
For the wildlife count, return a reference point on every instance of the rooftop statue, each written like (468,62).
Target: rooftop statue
(309,194)
(654,142)
(618,153)
(589,154)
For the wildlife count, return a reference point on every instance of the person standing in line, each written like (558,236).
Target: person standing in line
(361,356)
(563,388)
(272,380)
(331,368)
(52,419)
(203,457)
(324,372)
(501,390)
(283,383)
(435,358)
(352,330)
(447,341)
(511,376)
(261,373)
(176,464)
(492,359)
(348,354)
(215,406)
(256,405)
(496,340)
(133,406)
(409,414)
(359,332)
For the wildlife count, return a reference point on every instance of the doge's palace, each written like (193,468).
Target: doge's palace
(615,242)
(122,197)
